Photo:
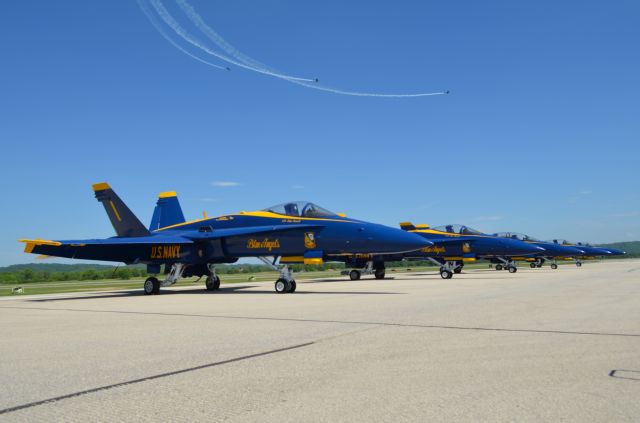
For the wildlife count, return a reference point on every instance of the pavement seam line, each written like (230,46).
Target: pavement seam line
(148,378)
(347,322)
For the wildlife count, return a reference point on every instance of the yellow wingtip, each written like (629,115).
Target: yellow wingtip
(100,186)
(167,194)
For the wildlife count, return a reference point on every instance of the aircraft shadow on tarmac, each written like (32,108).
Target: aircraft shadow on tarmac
(222,291)
(467,277)
(625,374)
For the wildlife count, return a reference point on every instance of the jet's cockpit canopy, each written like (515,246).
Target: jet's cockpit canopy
(516,235)
(561,242)
(301,209)
(458,229)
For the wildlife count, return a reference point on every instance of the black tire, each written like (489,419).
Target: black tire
(151,286)
(446,274)
(512,269)
(539,265)
(282,286)
(578,264)
(498,267)
(212,283)
(457,270)
(354,275)
(379,273)
(293,286)
(532,265)
(554,266)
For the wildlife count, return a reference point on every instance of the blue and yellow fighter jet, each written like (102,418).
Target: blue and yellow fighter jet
(553,251)
(453,245)
(296,231)
(589,252)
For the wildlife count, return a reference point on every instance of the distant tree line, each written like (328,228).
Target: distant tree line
(27,275)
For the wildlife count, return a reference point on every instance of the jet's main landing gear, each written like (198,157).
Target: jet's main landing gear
(212,283)
(354,275)
(498,267)
(151,286)
(379,273)
(578,263)
(554,266)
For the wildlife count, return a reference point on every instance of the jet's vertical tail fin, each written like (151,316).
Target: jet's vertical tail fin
(167,212)
(123,220)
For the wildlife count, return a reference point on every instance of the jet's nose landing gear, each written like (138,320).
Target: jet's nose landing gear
(578,263)
(283,286)
(285,283)
(354,275)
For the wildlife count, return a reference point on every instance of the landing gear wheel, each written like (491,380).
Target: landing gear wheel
(498,267)
(512,269)
(457,270)
(379,273)
(446,274)
(539,265)
(578,264)
(212,283)
(554,266)
(292,285)
(532,265)
(151,286)
(282,286)
(354,275)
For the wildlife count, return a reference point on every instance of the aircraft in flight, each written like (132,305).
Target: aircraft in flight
(192,248)
(453,245)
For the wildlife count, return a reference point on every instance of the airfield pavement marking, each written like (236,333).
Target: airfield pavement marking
(374,323)
(148,378)
(537,345)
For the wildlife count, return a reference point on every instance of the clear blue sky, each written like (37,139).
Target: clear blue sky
(539,134)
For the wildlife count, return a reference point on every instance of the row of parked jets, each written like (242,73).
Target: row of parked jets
(291,233)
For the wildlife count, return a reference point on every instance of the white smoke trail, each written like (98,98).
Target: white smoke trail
(162,32)
(173,24)
(248,63)
(196,19)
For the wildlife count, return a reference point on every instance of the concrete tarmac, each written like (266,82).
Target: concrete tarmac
(538,345)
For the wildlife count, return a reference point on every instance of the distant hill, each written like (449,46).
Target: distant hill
(54,267)
(632,247)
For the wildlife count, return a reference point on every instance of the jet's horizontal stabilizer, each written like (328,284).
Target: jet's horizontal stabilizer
(123,220)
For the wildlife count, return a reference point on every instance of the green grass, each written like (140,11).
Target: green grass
(33,288)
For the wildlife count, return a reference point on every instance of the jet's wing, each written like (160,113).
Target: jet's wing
(125,249)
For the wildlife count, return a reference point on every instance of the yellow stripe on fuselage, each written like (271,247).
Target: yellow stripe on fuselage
(269,215)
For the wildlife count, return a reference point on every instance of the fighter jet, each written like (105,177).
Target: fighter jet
(453,246)
(302,230)
(589,252)
(553,251)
